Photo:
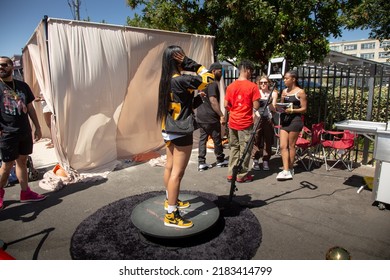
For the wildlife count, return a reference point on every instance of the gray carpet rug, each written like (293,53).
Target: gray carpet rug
(109,234)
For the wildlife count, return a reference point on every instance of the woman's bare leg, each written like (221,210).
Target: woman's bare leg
(292,140)
(180,157)
(284,145)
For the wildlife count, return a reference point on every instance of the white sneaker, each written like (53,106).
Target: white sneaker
(255,165)
(224,163)
(204,166)
(284,175)
(265,165)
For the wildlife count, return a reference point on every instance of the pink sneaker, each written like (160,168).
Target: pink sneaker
(30,196)
(2,191)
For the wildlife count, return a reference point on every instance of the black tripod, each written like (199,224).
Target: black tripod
(237,168)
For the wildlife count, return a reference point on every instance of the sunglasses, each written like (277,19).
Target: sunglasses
(263,83)
(4,65)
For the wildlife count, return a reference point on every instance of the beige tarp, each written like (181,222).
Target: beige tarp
(102,84)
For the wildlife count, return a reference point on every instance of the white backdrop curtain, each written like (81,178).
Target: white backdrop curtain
(103,87)
(35,63)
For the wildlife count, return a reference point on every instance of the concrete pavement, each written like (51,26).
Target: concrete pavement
(300,219)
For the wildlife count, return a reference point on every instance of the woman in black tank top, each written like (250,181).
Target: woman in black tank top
(292,123)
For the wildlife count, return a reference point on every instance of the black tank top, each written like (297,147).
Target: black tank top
(293,99)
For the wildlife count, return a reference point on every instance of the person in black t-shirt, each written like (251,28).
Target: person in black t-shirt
(209,118)
(16,141)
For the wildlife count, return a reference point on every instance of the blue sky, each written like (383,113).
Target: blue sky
(19,18)
(356,34)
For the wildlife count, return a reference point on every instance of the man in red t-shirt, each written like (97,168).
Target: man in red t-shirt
(242,96)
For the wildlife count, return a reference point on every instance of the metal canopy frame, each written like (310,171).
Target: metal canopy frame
(341,59)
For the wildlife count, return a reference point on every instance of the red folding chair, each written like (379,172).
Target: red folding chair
(338,148)
(309,144)
(302,147)
(317,130)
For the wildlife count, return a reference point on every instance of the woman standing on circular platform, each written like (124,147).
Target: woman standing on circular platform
(176,98)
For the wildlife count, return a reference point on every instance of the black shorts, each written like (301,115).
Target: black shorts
(182,141)
(295,125)
(14,144)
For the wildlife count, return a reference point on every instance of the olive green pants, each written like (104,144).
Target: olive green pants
(237,142)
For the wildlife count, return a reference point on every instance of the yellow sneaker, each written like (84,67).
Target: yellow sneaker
(180,204)
(174,219)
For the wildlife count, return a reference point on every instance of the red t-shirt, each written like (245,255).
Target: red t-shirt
(240,96)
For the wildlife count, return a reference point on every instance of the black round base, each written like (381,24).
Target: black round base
(109,234)
(148,217)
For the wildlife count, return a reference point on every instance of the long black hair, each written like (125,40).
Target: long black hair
(169,67)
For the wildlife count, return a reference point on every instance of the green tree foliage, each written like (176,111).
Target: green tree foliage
(368,14)
(252,29)
(335,104)
(259,29)
(181,16)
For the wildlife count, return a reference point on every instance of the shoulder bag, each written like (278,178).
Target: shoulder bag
(182,127)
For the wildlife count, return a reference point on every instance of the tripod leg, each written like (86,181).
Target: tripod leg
(238,167)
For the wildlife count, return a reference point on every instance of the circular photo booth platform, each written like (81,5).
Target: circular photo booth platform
(111,232)
(148,216)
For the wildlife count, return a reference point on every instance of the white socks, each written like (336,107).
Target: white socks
(171,208)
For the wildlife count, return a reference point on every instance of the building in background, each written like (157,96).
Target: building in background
(367,49)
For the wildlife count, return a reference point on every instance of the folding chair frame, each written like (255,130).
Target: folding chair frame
(302,147)
(277,132)
(310,149)
(339,147)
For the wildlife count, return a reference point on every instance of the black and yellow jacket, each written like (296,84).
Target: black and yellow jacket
(182,90)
